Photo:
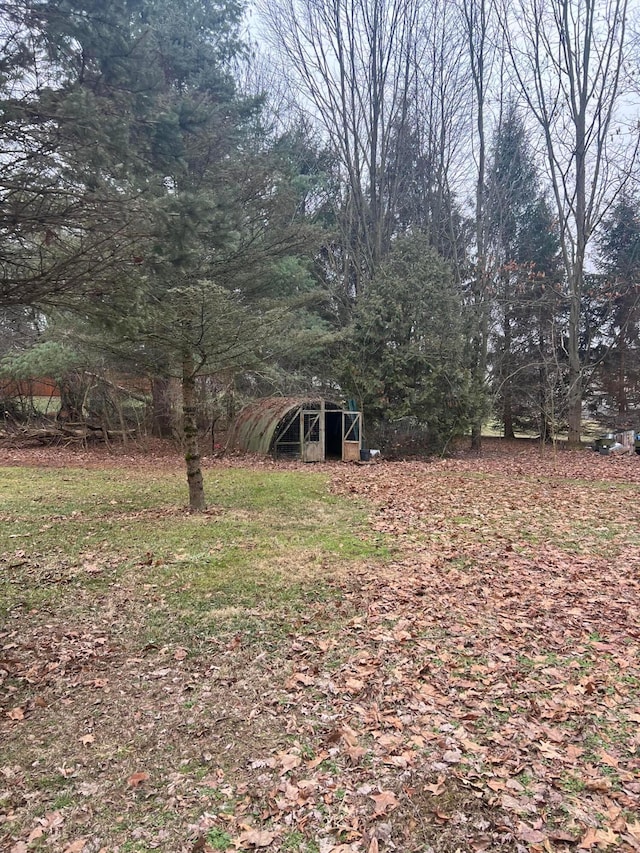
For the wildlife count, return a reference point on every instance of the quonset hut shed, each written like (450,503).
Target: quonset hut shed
(306,428)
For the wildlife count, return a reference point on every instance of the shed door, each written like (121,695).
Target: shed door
(312,432)
(351,436)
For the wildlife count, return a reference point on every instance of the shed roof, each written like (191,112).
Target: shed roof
(254,427)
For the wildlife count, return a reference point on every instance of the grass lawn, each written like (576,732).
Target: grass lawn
(418,657)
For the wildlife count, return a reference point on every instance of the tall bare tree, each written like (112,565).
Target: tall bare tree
(352,64)
(568,57)
(433,164)
(478,20)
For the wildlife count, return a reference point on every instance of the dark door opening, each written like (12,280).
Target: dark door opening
(333,435)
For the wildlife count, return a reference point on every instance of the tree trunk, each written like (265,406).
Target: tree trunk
(507,392)
(545,392)
(480,370)
(475,14)
(197,501)
(623,405)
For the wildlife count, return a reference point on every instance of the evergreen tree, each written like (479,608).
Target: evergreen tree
(139,194)
(72,99)
(524,257)
(619,246)
(404,354)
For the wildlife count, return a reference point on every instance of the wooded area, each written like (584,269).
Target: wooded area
(431,209)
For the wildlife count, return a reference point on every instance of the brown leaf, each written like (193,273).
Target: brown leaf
(38,832)
(436,788)
(606,758)
(597,838)
(532,836)
(16,714)
(385,802)
(355,753)
(137,778)
(53,819)
(288,761)
(87,739)
(634,830)
(257,837)
(299,678)
(76,846)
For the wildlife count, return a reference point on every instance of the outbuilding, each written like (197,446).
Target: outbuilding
(312,429)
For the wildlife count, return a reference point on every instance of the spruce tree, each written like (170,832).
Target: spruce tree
(524,260)
(619,246)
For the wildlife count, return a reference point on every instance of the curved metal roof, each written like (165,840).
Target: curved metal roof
(255,425)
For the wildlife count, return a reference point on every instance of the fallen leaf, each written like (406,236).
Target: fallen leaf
(87,739)
(288,761)
(137,779)
(597,838)
(299,678)
(256,838)
(76,846)
(53,819)
(436,788)
(530,835)
(385,802)
(16,714)
(634,830)
(38,832)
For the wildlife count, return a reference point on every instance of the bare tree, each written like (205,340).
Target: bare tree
(433,165)
(351,64)
(478,24)
(568,57)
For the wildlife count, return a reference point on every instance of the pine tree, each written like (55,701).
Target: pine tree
(524,257)
(619,247)
(403,359)
(140,196)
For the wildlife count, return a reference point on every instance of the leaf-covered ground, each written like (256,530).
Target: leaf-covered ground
(477,690)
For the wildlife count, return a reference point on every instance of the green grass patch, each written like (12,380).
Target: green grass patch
(269,538)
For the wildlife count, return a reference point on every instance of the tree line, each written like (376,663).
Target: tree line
(428,207)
